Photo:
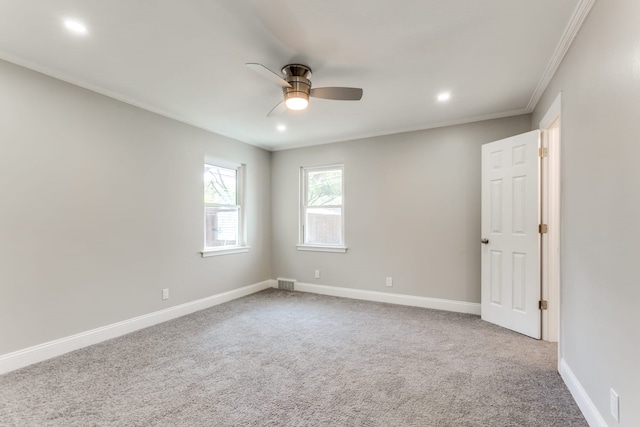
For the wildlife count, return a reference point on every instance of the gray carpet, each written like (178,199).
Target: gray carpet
(279,358)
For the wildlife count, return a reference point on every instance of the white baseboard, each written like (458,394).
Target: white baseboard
(414,301)
(589,410)
(41,352)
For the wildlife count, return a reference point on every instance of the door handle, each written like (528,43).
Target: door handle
(484,241)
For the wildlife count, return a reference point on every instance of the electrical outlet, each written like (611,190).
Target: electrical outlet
(614,404)
(165,293)
(317,274)
(389,281)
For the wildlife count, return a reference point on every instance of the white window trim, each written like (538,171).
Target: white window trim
(322,248)
(224,251)
(240,169)
(302,246)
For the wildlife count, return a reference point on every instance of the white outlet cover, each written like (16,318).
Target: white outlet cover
(614,404)
(165,294)
(317,274)
(389,281)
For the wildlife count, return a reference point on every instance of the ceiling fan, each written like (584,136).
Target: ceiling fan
(296,88)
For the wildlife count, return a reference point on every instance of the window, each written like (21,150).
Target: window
(223,210)
(321,213)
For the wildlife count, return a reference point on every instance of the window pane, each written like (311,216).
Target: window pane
(219,185)
(323,226)
(221,226)
(324,188)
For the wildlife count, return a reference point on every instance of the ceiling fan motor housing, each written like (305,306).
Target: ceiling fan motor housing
(298,77)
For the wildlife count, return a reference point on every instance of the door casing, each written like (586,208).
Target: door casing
(551,197)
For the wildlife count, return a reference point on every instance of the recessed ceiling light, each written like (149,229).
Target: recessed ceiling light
(444,96)
(75,26)
(281,128)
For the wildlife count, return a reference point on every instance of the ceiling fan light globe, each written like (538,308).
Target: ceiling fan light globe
(297,103)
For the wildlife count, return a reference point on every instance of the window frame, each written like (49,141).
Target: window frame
(241,246)
(318,247)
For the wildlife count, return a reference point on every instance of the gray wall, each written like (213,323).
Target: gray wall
(412,211)
(600,289)
(101,207)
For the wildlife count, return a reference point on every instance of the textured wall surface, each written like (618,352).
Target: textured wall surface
(600,84)
(101,207)
(412,211)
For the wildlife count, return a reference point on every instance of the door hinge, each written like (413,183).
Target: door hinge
(543,152)
(543,305)
(543,228)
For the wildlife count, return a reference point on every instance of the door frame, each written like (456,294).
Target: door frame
(551,214)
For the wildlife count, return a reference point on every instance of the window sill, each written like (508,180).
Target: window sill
(226,251)
(337,249)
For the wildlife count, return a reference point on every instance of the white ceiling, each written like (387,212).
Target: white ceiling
(186,59)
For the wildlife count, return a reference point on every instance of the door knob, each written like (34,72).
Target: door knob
(484,241)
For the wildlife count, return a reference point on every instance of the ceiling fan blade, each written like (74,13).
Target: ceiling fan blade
(338,93)
(277,110)
(268,74)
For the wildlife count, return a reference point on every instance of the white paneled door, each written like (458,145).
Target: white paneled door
(510,236)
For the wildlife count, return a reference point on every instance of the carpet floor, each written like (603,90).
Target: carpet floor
(279,358)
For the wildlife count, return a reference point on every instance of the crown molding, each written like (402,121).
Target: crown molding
(570,32)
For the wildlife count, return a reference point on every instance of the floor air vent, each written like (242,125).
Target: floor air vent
(286,284)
